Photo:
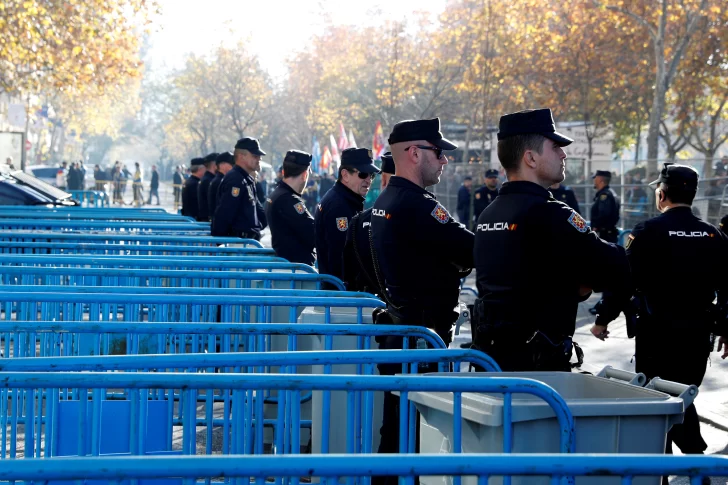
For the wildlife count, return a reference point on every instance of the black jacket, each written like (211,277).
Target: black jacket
(190,206)
(238,212)
(203,189)
(291,225)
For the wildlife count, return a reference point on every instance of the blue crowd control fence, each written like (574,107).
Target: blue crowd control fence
(124,238)
(25,247)
(152,227)
(329,411)
(90,198)
(99,307)
(475,468)
(161,278)
(42,395)
(74,338)
(226,263)
(45,208)
(80,216)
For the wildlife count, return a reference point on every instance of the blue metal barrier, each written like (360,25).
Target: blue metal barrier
(91,198)
(162,278)
(153,227)
(95,216)
(42,393)
(45,208)
(124,238)
(25,247)
(335,468)
(226,263)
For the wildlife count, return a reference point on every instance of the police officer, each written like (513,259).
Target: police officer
(203,187)
(358,265)
(679,263)
(291,225)
(522,318)
(190,205)
(605,209)
(724,224)
(239,212)
(564,194)
(420,252)
(463,207)
(224,162)
(339,205)
(487,193)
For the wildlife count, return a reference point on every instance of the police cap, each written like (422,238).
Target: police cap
(196,161)
(225,157)
(412,130)
(676,175)
(298,157)
(250,144)
(211,157)
(489,174)
(360,159)
(388,163)
(603,173)
(531,122)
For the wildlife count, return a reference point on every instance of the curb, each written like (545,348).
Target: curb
(716,415)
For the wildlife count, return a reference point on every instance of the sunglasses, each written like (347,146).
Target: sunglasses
(365,176)
(437,150)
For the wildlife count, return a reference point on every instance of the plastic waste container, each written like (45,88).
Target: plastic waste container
(611,416)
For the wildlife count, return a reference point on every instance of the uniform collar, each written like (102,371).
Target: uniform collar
(243,172)
(406,184)
(524,187)
(347,193)
(284,186)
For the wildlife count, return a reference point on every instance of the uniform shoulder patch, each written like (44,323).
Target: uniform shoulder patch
(603,197)
(300,208)
(578,222)
(342,223)
(477,195)
(630,238)
(440,214)
(236,191)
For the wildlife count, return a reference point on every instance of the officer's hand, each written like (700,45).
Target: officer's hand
(723,344)
(600,331)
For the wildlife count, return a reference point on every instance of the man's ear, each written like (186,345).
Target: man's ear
(528,159)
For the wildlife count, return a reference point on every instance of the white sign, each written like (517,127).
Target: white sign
(11,145)
(601,145)
(16,115)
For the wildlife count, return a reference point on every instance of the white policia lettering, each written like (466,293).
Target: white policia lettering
(498,226)
(379,212)
(688,234)
(366,224)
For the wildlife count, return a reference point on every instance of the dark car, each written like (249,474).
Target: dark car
(19,188)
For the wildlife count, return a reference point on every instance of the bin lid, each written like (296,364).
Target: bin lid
(586,395)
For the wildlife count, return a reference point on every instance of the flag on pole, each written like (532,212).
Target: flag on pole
(334,150)
(343,141)
(326,160)
(316,155)
(378,142)
(352,141)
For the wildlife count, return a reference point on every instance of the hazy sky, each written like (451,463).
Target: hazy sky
(275,28)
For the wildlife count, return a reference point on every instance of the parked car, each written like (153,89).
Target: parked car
(19,188)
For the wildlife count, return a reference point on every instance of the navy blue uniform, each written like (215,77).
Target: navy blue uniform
(483,197)
(358,266)
(566,195)
(463,207)
(605,214)
(331,222)
(522,234)
(203,189)
(676,319)
(422,252)
(291,225)
(212,193)
(239,212)
(190,205)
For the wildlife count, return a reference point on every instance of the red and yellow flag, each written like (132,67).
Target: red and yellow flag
(378,142)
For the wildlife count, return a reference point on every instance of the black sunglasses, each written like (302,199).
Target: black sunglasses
(365,176)
(437,150)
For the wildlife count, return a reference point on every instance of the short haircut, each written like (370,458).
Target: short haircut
(678,194)
(208,163)
(347,168)
(291,169)
(511,150)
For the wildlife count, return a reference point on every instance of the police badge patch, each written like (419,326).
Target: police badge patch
(578,222)
(440,214)
(342,223)
(300,208)
(236,191)
(603,197)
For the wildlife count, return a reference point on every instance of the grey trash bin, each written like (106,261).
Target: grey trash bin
(611,416)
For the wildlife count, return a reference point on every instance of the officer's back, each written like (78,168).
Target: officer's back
(224,162)
(523,318)
(190,204)
(204,187)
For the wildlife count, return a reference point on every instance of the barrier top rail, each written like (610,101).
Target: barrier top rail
(45,208)
(404,465)
(235,262)
(116,226)
(283,382)
(20,246)
(205,240)
(152,276)
(82,216)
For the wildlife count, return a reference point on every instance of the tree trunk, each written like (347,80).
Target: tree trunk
(708,165)
(658,107)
